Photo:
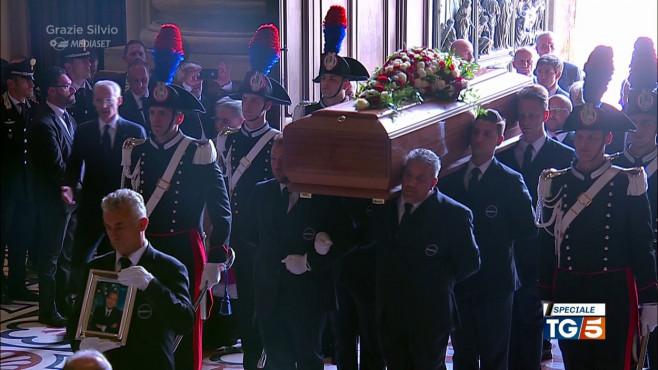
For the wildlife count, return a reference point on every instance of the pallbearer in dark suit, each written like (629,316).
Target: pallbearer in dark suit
(134,99)
(16,111)
(162,306)
(425,244)
(502,215)
(50,141)
(179,177)
(98,144)
(597,243)
(292,282)
(534,152)
(641,149)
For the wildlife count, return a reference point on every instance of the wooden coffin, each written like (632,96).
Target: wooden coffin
(344,152)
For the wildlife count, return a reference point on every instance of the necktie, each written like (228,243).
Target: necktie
(107,313)
(125,262)
(67,121)
(285,199)
(407,212)
(473,181)
(144,111)
(23,111)
(527,159)
(107,140)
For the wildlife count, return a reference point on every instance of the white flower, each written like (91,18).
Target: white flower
(362,104)
(389,68)
(396,63)
(421,65)
(373,83)
(455,73)
(421,72)
(384,95)
(465,83)
(440,84)
(424,84)
(405,65)
(402,76)
(434,68)
(417,83)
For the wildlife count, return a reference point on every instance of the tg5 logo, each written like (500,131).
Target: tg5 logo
(577,328)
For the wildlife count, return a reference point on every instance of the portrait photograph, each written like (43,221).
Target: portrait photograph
(106,308)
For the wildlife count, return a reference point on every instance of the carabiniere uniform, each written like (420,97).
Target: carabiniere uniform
(596,245)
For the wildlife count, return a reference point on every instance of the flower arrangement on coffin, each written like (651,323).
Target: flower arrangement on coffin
(410,75)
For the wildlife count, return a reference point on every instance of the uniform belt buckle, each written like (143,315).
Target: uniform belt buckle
(584,199)
(162,184)
(245,162)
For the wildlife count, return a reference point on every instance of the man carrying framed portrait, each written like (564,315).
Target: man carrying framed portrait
(156,305)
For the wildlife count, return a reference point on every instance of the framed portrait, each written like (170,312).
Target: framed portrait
(106,308)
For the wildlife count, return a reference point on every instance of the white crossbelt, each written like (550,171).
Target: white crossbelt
(583,200)
(245,162)
(163,184)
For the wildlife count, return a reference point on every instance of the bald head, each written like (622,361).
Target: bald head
(87,359)
(524,61)
(462,48)
(559,107)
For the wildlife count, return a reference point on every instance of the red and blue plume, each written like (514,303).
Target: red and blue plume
(335,26)
(264,49)
(644,69)
(598,73)
(167,53)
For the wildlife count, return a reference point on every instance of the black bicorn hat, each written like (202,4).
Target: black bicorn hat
(595,115)
(264,52)
(23,69)
(334,28)
(175,97)
(643,79)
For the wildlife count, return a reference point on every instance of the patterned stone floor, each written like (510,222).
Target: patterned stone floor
(26,344)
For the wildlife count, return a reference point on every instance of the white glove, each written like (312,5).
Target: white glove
(322,243)
(136,276)
(101,345)
(648,318)
(212,274)
(296,263)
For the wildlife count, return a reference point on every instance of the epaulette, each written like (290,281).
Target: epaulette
(612,157)
(128,146)
(544,185)
(637,180)
(225,131)
(5,100)
(205,152)
(552,172)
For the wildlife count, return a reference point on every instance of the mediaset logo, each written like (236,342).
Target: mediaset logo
(576,321)
(91,31)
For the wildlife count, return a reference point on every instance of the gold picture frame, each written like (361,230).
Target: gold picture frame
(106,308)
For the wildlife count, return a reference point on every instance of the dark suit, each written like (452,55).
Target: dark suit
(83,110)
(49,147)
(17,208)
(418,263)
(502,215)
(160,312)
(561,91)
(102,176)
(570,74)
(290,308)
(100,317)
(527,322)
(131,111)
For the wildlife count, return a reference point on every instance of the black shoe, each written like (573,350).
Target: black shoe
(22,294)
(54,320)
